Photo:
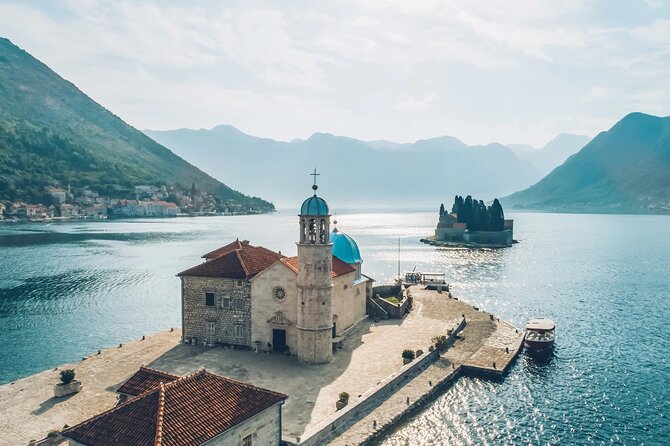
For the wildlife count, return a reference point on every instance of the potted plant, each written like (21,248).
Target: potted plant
(343,401)
(408,356)
(68,384)
(418,353)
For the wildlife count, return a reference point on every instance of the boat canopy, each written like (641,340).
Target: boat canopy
(540,323)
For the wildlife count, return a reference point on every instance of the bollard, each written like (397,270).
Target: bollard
(120,345)
(143,337)
(407,400)
(452,365)
(171,329)
(506,349)
(374,424)
(99,352)
(430,383)
(494,365)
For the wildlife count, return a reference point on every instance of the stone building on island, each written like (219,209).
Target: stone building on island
(249,296)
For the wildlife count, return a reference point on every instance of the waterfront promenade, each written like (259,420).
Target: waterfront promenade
(370,354)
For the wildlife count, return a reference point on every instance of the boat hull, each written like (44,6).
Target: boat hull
(538,346)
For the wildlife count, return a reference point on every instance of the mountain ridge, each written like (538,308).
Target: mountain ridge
(53,133)
(625,169)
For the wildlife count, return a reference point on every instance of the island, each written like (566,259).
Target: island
(472,224)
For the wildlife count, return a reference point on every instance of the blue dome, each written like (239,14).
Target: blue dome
(314,206)
(345,248)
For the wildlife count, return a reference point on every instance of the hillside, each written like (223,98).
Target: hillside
(553,154)
(625,169)
(370,175)
(51,132)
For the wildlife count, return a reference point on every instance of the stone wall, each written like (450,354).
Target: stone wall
(341,420)
(395,311)
(230,314)
(490,237)
(264,428)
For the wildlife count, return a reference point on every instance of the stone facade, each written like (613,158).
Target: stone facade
(315,295)
(227,321)
(269,313)
(263,428)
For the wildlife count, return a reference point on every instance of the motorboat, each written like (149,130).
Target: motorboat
(540,334)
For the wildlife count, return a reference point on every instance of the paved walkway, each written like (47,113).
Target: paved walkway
(29,411)
(371,353)
(483,342)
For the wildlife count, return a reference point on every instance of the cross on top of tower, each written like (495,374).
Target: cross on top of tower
(314,186)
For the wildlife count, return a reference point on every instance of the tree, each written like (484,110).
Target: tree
(497,216)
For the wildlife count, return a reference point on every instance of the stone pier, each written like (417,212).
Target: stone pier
(371,354)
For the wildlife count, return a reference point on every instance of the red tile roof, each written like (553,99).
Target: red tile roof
(144,380)
(234,246)
(339,267)
(237,260)
(185,412)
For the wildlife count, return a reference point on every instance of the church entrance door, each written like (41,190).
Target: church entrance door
(278,340)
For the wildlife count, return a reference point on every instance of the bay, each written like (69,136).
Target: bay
(67,290)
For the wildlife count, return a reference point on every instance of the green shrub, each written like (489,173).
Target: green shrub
(408,354)
(440,342)
(344,396)
(67,376)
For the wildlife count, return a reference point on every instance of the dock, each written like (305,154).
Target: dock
(486,346)
(369,367)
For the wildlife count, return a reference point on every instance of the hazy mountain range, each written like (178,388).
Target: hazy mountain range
(365,174)
(625,169)
(51,133)
(553,154)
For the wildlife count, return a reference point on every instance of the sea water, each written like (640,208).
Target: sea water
(67,290)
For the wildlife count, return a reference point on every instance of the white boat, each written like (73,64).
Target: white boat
(540,334)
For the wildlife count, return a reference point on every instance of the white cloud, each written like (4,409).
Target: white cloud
(370,69)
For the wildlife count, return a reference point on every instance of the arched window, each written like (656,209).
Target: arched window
(322,232)
(312,231)
(303,231)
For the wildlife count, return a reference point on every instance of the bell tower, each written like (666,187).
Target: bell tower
(315,282)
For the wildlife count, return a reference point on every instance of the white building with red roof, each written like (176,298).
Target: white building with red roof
(249,296)
(199,409)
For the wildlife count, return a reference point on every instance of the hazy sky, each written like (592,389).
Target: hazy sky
(489,70)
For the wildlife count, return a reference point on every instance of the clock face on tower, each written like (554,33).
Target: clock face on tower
(279,293)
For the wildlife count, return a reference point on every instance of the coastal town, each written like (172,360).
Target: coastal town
(147,201)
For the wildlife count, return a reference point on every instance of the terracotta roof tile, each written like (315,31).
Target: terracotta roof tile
(237,260)
(233,246)
(145,379)
(185,412)
(339,267)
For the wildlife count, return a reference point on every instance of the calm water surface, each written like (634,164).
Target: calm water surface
(68,289)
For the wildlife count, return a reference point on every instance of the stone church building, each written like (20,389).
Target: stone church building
(249,296)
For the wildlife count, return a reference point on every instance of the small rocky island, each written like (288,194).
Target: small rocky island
(472,224)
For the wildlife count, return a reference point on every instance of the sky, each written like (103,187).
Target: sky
(483,70)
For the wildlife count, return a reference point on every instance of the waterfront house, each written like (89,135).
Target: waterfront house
(58,194)
(199,409)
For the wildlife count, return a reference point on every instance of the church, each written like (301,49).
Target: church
(252,297)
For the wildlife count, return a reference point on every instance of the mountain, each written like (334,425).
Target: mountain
(553,154)
(625,169)
(52,133)
(355,173)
